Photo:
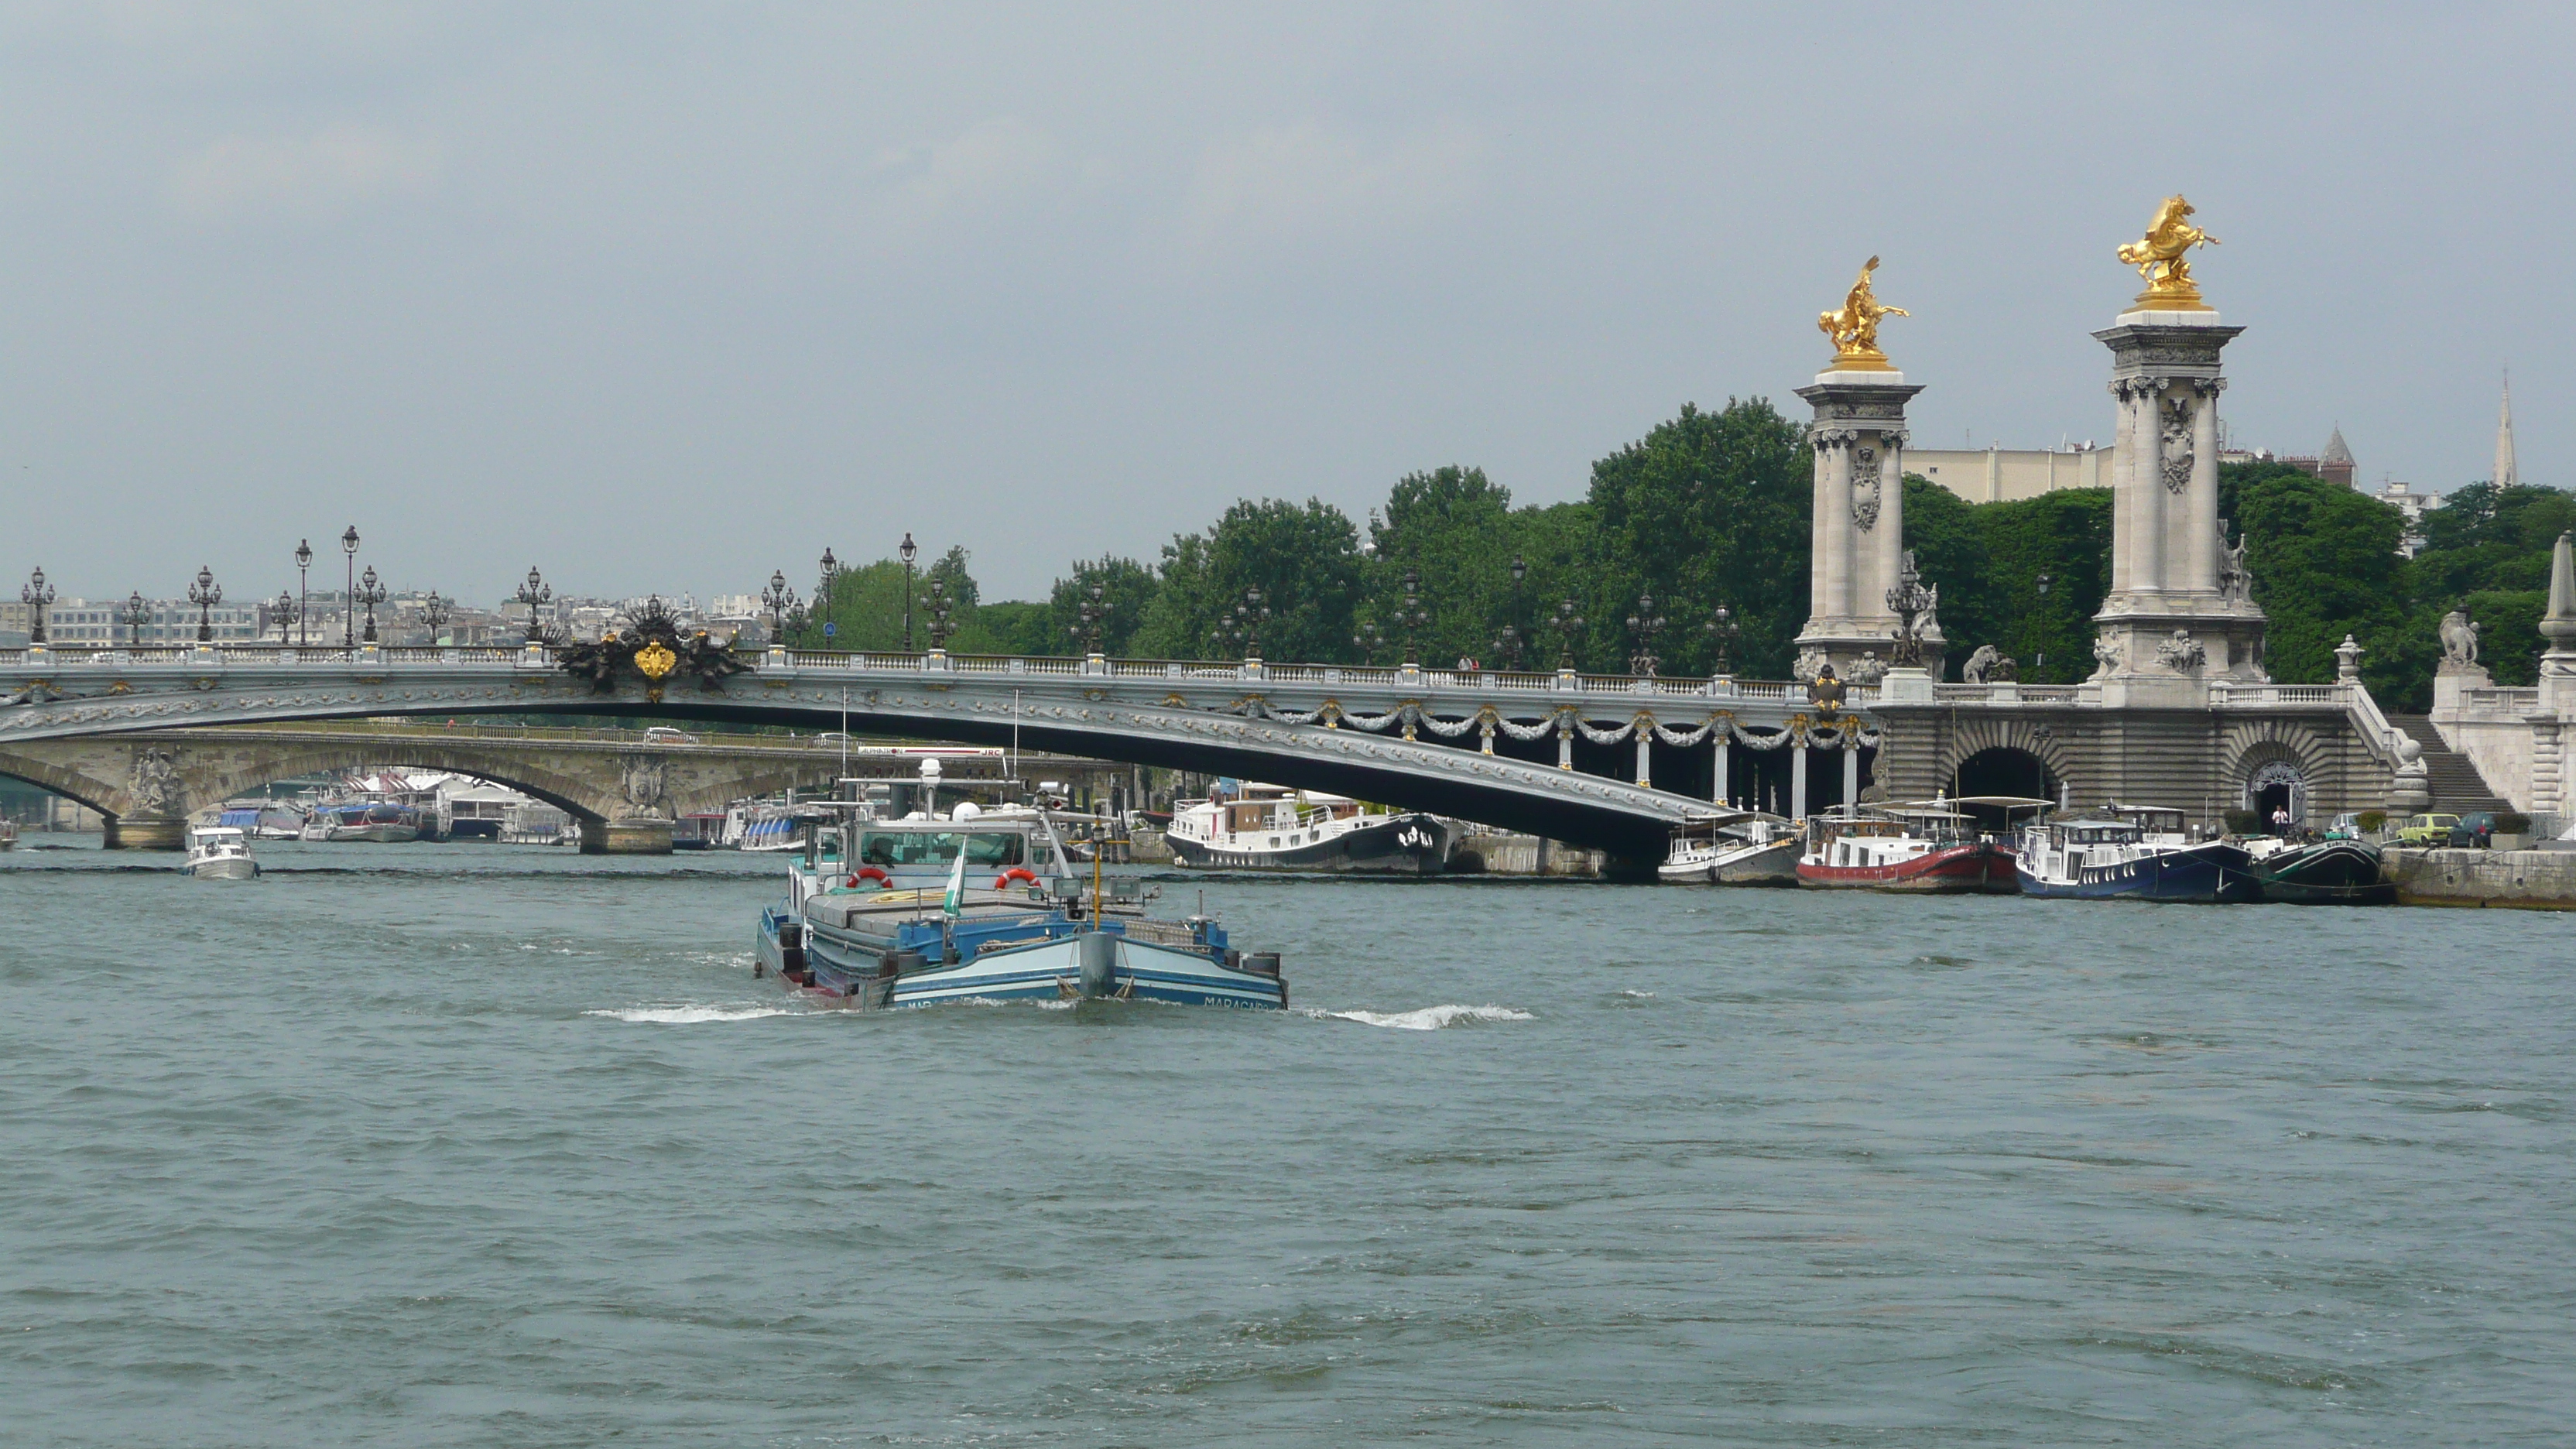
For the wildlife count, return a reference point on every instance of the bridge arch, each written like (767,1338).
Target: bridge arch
(2005,749)
(70,783)
(2277,765)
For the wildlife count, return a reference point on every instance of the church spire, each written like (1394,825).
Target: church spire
(2506,474)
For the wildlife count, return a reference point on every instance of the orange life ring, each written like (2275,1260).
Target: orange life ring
(870,872)
(1003,881)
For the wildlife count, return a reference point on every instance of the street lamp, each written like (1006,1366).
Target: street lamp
(1644,626)
(1369,640)
(2040,664)
(535,593)
(777,599)
(1254,612)
(303,597)
(940,629)
(1907,599)
(370,593)
(1412,616)
(136,613)
(1509,643)
(1723,629)
(907,552)
(205,593)
(286,614)
(36,594)
(1567,624)
(435,614)
(1092,611)
(348,608)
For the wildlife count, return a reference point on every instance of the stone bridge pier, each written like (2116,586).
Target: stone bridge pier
(626,798)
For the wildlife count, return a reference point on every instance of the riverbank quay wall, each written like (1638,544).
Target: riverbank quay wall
(2534,880)
(2203,755)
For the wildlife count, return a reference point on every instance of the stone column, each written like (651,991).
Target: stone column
(2174,620)
(1858,532)
(1851,768)
(1717,781)
(1645,748)
(1798,779)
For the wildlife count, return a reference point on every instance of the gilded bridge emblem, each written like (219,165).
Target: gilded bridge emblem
(655,660)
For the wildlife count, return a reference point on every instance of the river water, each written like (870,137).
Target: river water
(458,1145)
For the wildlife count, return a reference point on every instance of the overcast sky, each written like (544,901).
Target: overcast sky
(663,297)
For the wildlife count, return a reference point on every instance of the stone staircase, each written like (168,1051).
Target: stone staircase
(2457,786)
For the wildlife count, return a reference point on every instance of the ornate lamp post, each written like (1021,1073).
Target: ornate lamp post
(137,613)
(205,593)
(907,552)
(303,596)
(1907,599)
(1092,612)
(1567,624)
(2039,665)
(434,613)
(940,628)
(370,593)
(778,599)
(827,584)
(1369,640)
(36,594)
(1412,617)
(1722,630)
(535,593)
(348,606)
(286,614)
(1644,626)
(1509,643)
(1254,612)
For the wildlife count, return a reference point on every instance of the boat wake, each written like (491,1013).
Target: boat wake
(691,1015)
(1428,1018)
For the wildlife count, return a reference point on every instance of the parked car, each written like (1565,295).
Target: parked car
(2476,831)
(2426,831)
(665,735)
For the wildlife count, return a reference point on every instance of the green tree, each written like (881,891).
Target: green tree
(1707,509)
(1127,589)
(1303,558)
(2325,562)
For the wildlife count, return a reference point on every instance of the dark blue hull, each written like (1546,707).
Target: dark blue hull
(2214,872)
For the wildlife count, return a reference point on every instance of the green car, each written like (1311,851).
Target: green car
(2425,832)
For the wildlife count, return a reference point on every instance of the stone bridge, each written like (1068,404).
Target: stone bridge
(625,790)
(1571,757)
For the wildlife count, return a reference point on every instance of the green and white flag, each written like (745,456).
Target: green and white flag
(955,905)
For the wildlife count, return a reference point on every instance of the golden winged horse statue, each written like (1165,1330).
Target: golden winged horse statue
(1854,328)
(2158,256)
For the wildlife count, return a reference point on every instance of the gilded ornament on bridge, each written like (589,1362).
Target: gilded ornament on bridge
(655,660)
(2158,256)
(1855,327)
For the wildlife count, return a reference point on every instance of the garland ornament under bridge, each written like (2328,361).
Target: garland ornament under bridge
(651,647)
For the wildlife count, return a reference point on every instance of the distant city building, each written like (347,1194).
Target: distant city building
(99,624)
(1998,474)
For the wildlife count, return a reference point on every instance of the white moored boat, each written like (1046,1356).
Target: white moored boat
(1268,827)
(1739,848)
(219,852)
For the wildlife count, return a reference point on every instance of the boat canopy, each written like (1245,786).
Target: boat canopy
(240,819)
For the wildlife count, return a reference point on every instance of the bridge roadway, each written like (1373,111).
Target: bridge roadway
(1489,746)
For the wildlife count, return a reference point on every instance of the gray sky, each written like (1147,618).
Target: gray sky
(665,297)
